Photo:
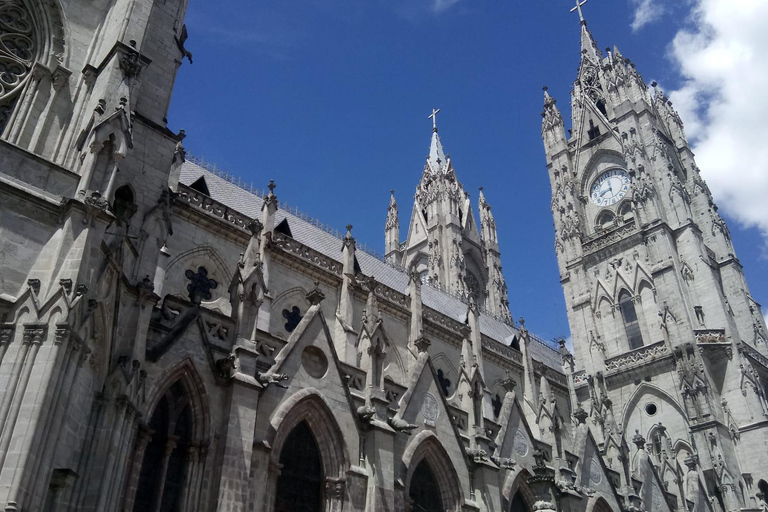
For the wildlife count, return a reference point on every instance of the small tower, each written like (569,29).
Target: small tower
(444,246)
(663,325)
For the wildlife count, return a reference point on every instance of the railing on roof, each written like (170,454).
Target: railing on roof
(296,212)
(293,210)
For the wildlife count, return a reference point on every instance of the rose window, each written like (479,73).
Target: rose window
(17,53)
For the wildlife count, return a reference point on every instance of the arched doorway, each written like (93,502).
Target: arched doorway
(300,484)
(424,492)
(162,477)
(518,504)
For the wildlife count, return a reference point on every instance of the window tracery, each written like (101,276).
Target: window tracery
(17,54)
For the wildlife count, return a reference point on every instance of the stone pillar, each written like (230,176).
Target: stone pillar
(238,438)
(170,445)
(143,438)
(379,456)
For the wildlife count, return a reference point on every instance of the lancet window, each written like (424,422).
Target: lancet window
(631,324)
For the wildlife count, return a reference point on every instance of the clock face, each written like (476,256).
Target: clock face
(609,187)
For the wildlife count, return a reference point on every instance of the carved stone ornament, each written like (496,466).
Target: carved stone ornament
(429,408)
(520,443)
(595,474)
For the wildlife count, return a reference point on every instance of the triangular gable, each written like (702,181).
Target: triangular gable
(618,283)
(424,406)
(284,228)
(515,439)
(641,275)
(600,291)
(417,219)
(309,358)
(469,224)
(590,469)
(201,186)
(652,491)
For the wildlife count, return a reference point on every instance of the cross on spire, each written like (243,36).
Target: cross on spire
(578,8)
(433,116)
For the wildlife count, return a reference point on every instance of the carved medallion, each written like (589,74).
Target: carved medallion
(520,443)
(314,362)
(595,475)
(656,497)
(429,407)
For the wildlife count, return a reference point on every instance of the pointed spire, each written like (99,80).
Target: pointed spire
(392,232)
(392,218)
(487,222)
(436,159)
(550,116)
(589,47)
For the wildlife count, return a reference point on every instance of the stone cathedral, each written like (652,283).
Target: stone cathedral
(170,341)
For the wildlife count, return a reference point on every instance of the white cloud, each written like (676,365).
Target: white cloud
(441,5)
(645,12)
(723,60)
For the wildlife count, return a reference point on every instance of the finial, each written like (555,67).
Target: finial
(271,187)
(522,322)
(433,116)
(578,8)
(545,88)
(481,189)
(392,191)
(349,231)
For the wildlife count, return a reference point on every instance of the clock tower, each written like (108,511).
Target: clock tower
(669,344)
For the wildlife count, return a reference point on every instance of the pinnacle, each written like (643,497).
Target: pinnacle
(589,48)
(436,158)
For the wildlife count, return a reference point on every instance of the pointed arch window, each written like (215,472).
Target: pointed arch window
(300,484)
(605,218)
(629,316)
(625,208)
(162,480)
(656,441)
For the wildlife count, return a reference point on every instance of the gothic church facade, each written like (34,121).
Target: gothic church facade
(172,342)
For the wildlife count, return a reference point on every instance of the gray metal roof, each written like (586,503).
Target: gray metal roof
(308,233)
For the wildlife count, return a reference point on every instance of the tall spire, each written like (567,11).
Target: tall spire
(589,47)
(436,159)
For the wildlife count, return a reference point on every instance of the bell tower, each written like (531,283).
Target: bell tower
(668,340)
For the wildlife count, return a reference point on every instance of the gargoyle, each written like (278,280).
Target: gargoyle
(478,455)
(401,426)
(366,413)
(266,379)
(504,462)
(225,365)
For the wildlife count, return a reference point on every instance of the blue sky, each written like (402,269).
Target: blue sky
(330,99)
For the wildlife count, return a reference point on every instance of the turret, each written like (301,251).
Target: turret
(444,245)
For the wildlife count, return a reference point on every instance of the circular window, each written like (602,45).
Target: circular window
(314,362)
(651,409)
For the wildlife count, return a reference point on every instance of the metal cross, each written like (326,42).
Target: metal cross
(578,8)
(433,116)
